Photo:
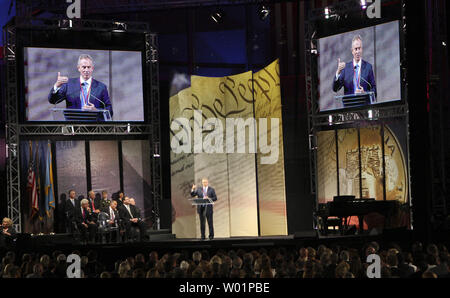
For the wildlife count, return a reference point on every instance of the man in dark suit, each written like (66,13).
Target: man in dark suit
(113,214)
(130,216)
(355,76)
(85,220)
(70,205)
(113,220)
(81,93)
(204,210)
(94,202)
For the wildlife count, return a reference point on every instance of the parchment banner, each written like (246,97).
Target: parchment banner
(348,162)
(206,95)
(182,172)
(224,102)
(326,166)
(241,166)
(271,182)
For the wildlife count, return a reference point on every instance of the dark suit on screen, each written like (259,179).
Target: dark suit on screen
(70,92)
(205,210)
(345,78)
(126,217)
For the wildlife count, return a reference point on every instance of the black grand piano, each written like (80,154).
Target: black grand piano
(343,207)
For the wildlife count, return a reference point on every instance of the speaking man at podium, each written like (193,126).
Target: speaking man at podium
(84,92)
(356,76)
(203,211)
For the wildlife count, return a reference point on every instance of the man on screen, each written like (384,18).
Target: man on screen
(356,76)
(84,92)
(204,210)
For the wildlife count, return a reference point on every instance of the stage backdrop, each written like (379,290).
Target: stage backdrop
(229,155)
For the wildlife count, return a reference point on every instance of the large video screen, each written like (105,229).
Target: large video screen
(74,84)
(360,62)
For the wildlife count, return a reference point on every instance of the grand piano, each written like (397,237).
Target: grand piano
(343,207)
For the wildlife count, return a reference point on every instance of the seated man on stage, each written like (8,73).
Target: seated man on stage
(355,76)
(85,221)
(113,215)
(84,92)
(131,216)
(204,210)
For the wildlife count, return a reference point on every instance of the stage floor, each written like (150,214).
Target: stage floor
(163,240)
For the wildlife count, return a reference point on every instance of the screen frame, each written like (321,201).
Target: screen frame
(324,31)
(71,39)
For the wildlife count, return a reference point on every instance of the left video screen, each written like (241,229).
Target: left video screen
(83,85)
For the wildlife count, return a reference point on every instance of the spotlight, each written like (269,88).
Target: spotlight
(119,27)
(217,16)
(327,13)
(65,24)
(330,119)
(370,114)
(263,12)
(363,4)
(156,150)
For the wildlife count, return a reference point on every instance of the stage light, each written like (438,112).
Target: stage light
(263,12)
(370,114)
(68,130)
(156,150)
(363,4)
(217,16)
(128,128)
(65,24)
(119,27)
(330,119)
(327,13)
(153,55)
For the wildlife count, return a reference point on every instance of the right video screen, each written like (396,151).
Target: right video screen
(358,63)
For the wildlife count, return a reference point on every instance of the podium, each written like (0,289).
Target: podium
(201,201)
(357,100)
(62,114)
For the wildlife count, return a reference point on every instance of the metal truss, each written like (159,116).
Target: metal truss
(151,60)
(16,131)
(84,129)
(311,99)
(12,136)
(120,6)
(317,120)
(366,115)
(81,24)
(437,81)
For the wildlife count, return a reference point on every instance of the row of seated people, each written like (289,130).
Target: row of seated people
(88,215)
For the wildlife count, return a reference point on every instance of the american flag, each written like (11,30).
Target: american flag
(32,190)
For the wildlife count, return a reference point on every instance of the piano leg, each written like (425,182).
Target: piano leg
(342,228)
(361,223)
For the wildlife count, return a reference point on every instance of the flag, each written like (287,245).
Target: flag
(31,184)
(37,166)
(32,189)
(49,189)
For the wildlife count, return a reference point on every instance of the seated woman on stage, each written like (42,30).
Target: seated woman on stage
(7,232)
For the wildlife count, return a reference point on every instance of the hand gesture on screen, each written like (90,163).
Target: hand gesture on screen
(341,66)
(61,80)
(194,187)
(89,106)
(359,90)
